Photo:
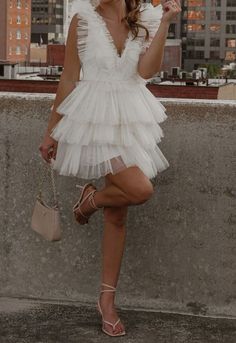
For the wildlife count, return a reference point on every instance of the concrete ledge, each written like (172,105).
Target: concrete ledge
(49,96)
(180,254)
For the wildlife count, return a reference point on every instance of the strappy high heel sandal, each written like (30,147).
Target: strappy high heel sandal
(112,289)
(80,216)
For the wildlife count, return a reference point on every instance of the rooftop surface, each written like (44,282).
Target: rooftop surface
(41,322)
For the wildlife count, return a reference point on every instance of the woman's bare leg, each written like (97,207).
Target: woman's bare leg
(112,252)
(128,187)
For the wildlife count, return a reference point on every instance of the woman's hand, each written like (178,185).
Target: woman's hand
(48,148)
(171,9)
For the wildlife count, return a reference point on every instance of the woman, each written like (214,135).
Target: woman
(105,124)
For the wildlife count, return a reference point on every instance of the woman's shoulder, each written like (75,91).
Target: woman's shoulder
(150,17)
(82,8)
(150,14)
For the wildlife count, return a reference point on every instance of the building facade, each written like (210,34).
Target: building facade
(208,32)
(15,19)
(47,21)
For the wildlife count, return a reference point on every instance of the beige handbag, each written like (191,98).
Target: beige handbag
(46,219)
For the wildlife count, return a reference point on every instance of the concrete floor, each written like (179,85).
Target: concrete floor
(23,321)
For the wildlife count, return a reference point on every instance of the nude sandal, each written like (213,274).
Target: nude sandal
(113,289)
(80,216)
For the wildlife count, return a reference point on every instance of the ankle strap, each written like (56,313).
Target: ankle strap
(92,201)
(113,289)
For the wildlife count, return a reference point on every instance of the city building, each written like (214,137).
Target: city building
(47,21)
(208,32)
(15,19)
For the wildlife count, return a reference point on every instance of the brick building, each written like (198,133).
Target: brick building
(15,31)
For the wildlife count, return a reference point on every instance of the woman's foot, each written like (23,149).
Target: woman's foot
(106,301)
(86,206)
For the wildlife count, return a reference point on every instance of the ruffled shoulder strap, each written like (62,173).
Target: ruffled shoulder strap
(82,7)
(151,18)
(84,10)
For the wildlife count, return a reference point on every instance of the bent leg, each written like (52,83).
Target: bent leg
(128,187)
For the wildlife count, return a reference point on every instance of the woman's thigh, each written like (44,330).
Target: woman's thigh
(133,182)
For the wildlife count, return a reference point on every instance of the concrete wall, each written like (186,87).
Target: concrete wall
(181,245)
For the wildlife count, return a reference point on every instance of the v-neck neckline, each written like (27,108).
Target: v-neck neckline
(119,54)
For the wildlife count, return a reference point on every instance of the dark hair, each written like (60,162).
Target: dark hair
(132,18)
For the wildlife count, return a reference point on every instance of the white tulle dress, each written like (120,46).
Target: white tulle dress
(110,120)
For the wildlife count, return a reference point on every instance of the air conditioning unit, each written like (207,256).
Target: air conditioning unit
(43,70)
(203,72)
(183,75)
(164,74)
(54,70)
(196,74)
(175,71)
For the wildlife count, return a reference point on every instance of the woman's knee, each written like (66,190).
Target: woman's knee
(115,215)
(142,193)
(137,186)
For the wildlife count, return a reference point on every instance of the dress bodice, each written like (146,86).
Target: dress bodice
(97,51)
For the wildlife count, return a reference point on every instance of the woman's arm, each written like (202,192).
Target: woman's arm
(150,62)
(70,74)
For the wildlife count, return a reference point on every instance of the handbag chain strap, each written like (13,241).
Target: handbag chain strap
(53,184)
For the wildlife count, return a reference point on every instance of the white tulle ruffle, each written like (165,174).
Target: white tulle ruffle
(105,131)
(151,19)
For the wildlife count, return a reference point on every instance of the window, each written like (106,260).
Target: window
(215,42)
(10,50)
(1,70)
(215,54)
(215,27)
(18,34)
(10,20)
(195,42)
(10,3)
(231,3)
(18,50)
(215,15)
(26,35)
(197,54)
(230,28)
(216,3)
(194,3)
(18,19)
(196,27)
(230,15)
(26,4)
(18,3)
(196,15)
(10,35)
(230,56)
(230,43)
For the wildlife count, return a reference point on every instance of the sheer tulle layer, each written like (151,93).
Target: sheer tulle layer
(76,160)
(112,102)
(107,127)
